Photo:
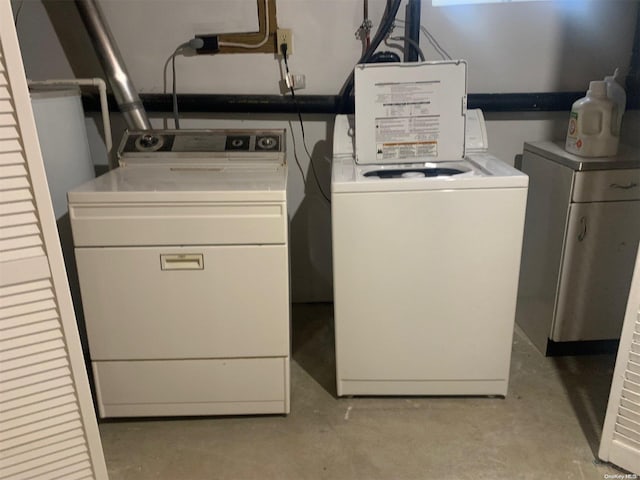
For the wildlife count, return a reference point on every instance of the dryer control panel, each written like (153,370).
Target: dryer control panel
(167,145)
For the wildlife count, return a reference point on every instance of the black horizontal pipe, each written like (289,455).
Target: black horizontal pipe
(201,103)
(332,104)
(523,102)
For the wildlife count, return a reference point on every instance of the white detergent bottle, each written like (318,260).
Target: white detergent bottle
(592,128)
(615,92)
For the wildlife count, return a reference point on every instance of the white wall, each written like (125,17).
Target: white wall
(525,47)
(510,47)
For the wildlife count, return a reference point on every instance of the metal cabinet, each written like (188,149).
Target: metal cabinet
(581,235)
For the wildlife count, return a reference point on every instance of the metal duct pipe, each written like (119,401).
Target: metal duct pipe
(123,90)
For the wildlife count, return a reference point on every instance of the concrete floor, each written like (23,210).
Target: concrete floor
(548,427)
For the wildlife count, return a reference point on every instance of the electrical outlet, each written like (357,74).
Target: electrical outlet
(284,36)
(293,81)
(296,81)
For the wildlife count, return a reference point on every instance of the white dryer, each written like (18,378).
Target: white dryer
(183,265)
(426,257)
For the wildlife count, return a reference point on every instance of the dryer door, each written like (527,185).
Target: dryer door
(185,302)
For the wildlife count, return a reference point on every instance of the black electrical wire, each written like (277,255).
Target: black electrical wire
(293,137)
(174,96)
(194,44)
(384,57)
(295,155)
(386,24)
(304,140)
(413,43)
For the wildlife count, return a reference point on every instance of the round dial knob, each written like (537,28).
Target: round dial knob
(148,142)
(267,143)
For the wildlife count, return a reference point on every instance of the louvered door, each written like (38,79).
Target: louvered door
(48,428)
(620,442)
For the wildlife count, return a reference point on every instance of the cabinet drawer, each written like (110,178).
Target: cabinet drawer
(192,387)
(178,224)
(606,185)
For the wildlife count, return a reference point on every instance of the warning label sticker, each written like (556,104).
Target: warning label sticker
(407,138)
(407,124)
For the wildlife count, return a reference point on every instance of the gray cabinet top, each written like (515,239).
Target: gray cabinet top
(627,157)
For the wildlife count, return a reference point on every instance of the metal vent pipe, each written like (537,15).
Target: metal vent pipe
(123,90)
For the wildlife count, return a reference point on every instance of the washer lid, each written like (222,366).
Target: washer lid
(410,112)
(188,183)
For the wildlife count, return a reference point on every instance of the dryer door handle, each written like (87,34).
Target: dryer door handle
(182,261)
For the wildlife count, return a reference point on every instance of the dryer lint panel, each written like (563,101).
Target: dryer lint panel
(410,112)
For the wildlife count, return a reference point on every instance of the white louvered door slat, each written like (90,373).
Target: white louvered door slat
(49,464)
(31,392)
(8,207)
(37,444)
(38,398)
(26,319)
(34,339)
(30,431)
(7,131)
(48,428)
(16,289)
(41,406)
(11,170)
(36,368)
(9,146)
(34,454)
(19,231)
(11,157)
(36,359)
(13,183)
(620,442)
(630,413)
(6,119)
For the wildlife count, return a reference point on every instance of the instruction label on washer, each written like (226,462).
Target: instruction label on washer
(407,122)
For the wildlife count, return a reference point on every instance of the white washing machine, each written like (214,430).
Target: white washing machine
(183,265)
(426,257)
